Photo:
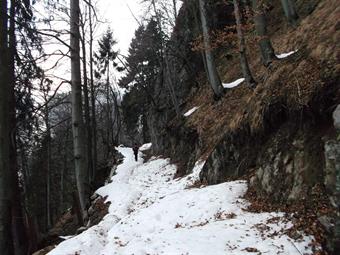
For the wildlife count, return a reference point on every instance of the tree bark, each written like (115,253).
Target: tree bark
(20,240)
(87,108)
(117,118)
(48,168)
(63,170)
(266,48)
(289,9)
(6,244)
(175,8)
(109,126)
(212,73)
(93,100)
(77,113)
(242,47)
(170,84)
(77,208)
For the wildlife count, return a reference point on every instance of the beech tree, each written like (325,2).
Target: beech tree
(17,10)
(242,47)
(88,123)
(6,245)
(289,9)
(17,18)
(212,73)
(77,112)
(93,96)
(266,48)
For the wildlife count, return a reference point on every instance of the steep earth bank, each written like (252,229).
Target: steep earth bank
(281,134)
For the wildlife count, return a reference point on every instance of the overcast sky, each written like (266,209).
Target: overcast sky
(116,14)
(120,19)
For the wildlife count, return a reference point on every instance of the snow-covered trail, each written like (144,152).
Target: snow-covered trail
(150,213)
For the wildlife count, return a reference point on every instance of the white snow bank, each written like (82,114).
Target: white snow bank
(152,213)
(145,147)
(191,111)
(65,237)
(284,55)
(233,84)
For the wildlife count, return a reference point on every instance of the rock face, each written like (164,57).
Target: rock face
(332,180)
(68,225)
(231,158)
(45,250)
(287,142)
(290,165)
(287,163)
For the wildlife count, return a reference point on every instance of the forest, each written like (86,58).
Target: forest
(216,130)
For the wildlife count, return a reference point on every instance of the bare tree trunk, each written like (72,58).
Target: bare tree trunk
(24,166)
(213,76)
(197,22)
(77,208)
(289,9)
(242,47)
(116,121)
(77,113)
(117,118)
(175,8)
(48,165)
(61,192)
(93,99)
(109,127)
(170,84)
(48,169)
(6,245)
(18,225)
(32,232)
(87,108)
(266,48)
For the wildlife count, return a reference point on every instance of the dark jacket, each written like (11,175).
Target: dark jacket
(135,149)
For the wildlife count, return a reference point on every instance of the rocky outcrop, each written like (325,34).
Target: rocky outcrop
(68,225)
(234,155)
(286,163)
(290,164)
(332,183)
(45,250)
(282,134)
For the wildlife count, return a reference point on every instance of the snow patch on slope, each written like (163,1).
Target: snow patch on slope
(285,55)
(233,84)
(191,111)
(152,213)
(145,147)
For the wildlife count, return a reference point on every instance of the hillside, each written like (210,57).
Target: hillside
(278,139)
(232,105)
(279,136)
(152,213)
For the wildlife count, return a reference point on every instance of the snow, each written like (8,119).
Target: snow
(284,55)
(145,147)
(233,84)
(191,111)
(152,213)
(65,237)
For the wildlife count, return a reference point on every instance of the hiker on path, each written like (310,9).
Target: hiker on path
(135,149)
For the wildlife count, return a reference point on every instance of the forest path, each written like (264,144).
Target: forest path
(152,213)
